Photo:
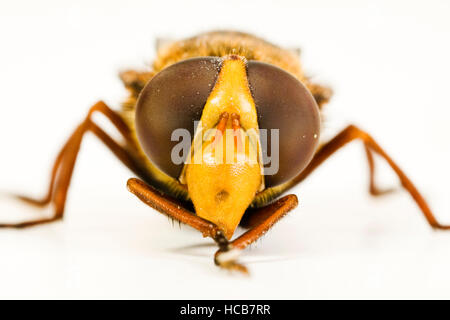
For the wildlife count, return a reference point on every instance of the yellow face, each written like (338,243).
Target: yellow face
(224,172)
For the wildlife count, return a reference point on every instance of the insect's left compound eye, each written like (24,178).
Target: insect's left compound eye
(284,104)
(173,99)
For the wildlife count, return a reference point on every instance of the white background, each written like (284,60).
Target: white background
(388,62)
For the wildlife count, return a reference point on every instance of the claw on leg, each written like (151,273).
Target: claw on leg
(227,259)
(262,220)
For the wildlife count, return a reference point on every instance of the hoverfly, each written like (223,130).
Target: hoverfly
(238,99)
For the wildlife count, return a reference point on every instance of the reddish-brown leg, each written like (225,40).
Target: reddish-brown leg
(65,162)
(259,221)
(373,189)
(352,133)
(175,209)
(264,219)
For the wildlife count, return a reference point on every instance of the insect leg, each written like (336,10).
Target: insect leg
(264,219)
(373,189)
(353,133)
(65,162)
(175,209)
(260,221)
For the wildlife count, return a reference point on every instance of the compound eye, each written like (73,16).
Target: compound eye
(284,103)
(173,99)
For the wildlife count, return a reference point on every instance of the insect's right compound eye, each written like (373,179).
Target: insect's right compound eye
(173,99)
